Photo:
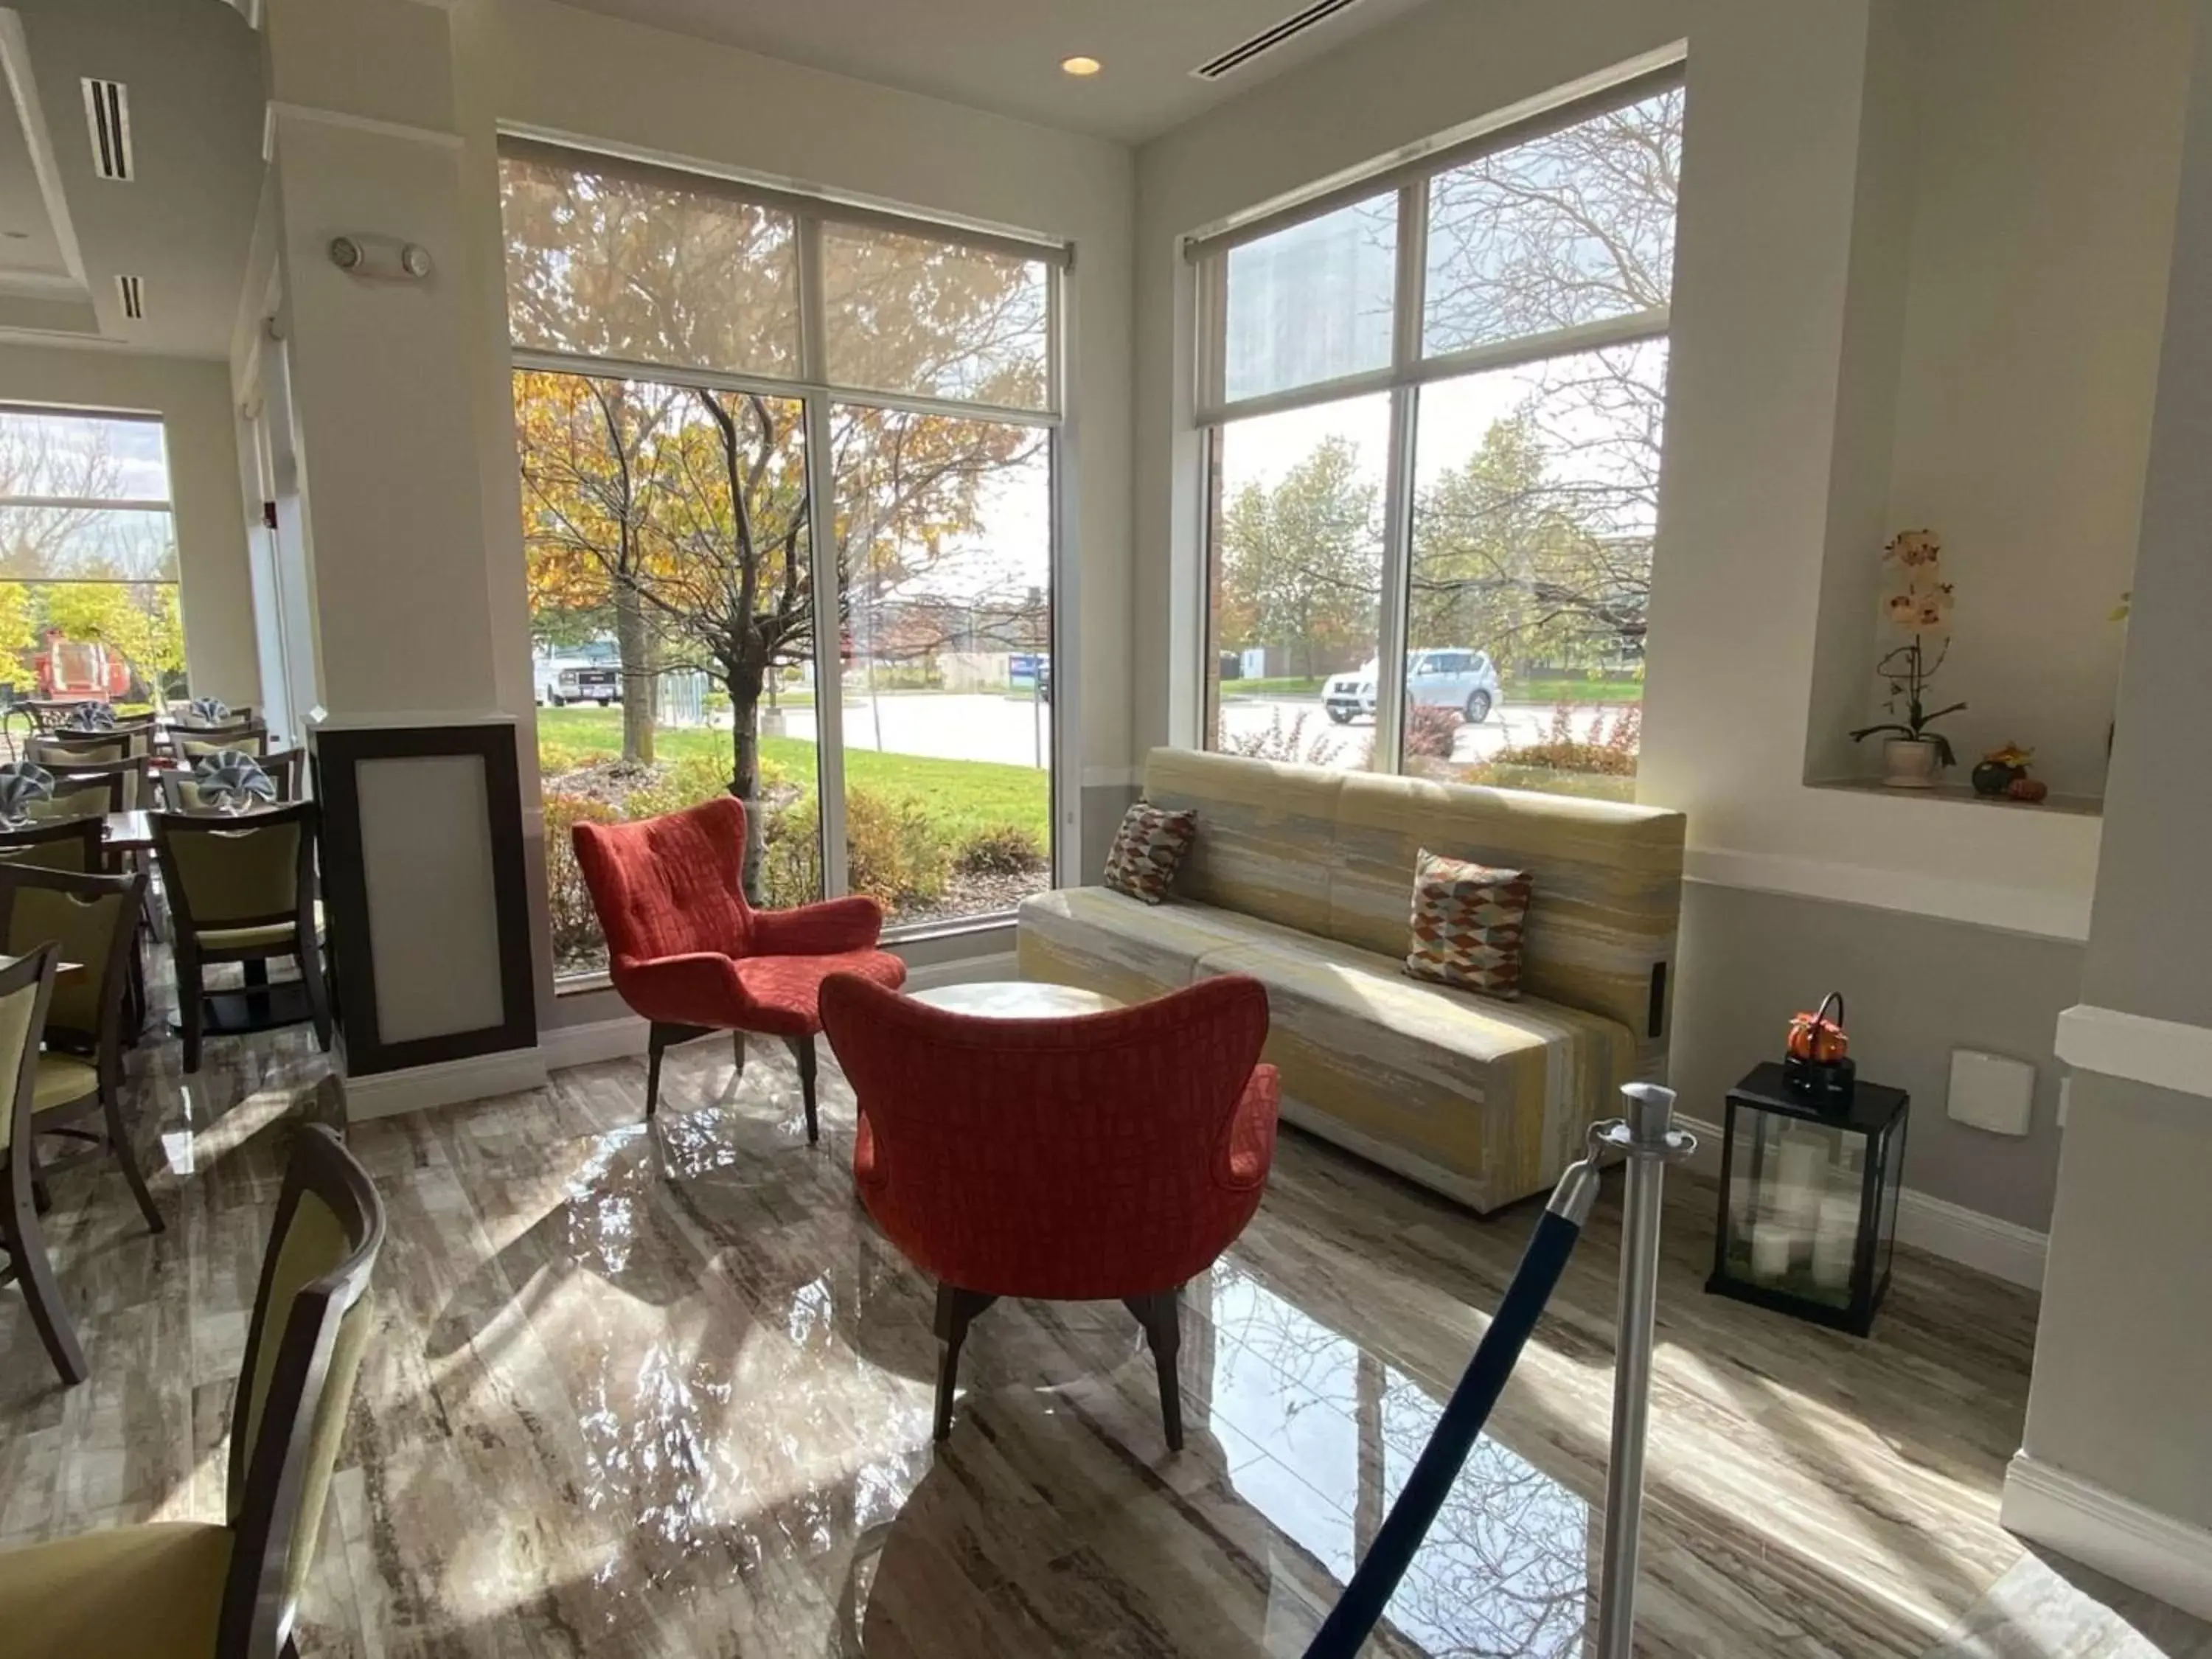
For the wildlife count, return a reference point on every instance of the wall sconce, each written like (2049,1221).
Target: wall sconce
(381,258)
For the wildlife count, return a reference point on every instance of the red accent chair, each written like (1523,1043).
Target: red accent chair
(1104,1157)
(689,952)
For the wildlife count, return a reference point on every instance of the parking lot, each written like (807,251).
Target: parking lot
(1016,731)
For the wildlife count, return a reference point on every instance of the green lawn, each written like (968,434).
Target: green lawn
(1291,686)
(1585,690)
(962,797)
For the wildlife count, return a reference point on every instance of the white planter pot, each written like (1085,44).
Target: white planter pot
(1910,763)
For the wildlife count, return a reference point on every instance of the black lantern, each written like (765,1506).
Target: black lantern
(1809,1200)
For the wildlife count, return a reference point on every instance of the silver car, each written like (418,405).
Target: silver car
(1461,679)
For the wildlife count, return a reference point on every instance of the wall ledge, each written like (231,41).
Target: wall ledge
(2138,1545)
(2164,1053)
(2039,912)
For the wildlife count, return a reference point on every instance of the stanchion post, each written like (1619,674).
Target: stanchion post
(1650,1142)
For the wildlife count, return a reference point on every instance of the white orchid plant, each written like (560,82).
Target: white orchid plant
(1918,604)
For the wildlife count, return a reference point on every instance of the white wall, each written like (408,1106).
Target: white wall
(199,428)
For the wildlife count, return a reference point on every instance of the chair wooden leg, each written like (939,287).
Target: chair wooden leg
(956,1311)
(189,1009)
(656,1039)
(319,988)
(119,1143)
(802,1050)
(1161,1315)
(26,1251)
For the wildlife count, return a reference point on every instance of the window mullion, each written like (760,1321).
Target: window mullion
(821,559)
(1398,481)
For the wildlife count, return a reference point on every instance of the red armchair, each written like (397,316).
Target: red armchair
(1107,1157)
(687,951)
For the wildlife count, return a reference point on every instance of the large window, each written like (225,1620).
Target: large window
(788,498)
(1434,414)
(88,558)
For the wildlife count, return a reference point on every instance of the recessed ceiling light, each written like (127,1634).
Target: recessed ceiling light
(1081,66)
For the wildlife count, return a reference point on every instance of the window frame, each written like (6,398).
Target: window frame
(1409,371)
(817,392)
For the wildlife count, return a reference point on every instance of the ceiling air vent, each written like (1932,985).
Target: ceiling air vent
(1268,38)
(107,118)
(133,297)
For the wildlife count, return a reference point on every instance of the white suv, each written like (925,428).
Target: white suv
(1465,680)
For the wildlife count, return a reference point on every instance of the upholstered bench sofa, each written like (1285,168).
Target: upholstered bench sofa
(1303,878)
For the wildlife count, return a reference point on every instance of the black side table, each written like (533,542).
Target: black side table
(1809,1200)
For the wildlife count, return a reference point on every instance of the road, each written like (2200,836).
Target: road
(1014,730)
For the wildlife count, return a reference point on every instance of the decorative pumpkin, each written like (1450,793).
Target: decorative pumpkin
(1817,1038)
(2027,789)
(2000,768)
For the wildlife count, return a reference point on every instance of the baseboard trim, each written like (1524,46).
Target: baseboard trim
(2163,1053)
(2138,1545)
(2003,1249)
(624,1037)
(620,1038)
(422,1088)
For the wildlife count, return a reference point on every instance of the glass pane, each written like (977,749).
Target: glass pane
(945,543)
(1312,303)
(908,313)
(87,543)
(1535,494)
(1571,228)
(1297,583)
(607,266)
(104,457)
(114,641)
(1794,1194)
(672,622)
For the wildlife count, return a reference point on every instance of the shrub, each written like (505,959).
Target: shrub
(1005,849)
(1609,749)
(1278,742)
(575,925)
(894,853)
(677,785)
(1430,731)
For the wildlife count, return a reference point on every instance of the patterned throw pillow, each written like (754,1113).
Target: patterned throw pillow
(1148,849)
(1467,920)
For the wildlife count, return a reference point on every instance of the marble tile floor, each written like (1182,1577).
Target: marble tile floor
(665,1392)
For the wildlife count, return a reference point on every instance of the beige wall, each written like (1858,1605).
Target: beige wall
(200,430)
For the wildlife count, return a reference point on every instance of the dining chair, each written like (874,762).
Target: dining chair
(242,890)
(136,771)
(230,1590)
(74,845)
(27,985)
(180,791)
(93,796)
(194,743)
(90,921)
(52,749)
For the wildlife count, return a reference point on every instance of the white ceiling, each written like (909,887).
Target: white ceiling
(1004,55)
(181,226)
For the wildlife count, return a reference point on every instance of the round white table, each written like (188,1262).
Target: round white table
(1017,998)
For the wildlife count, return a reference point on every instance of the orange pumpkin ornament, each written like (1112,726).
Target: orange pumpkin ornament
(1817,1038)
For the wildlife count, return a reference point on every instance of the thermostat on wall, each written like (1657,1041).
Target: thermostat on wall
(1991,1091)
